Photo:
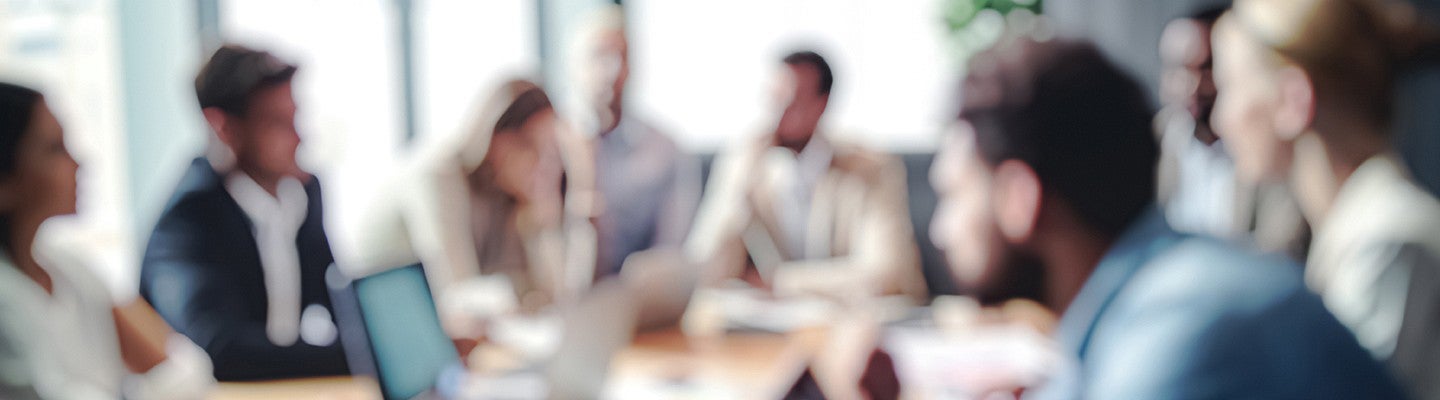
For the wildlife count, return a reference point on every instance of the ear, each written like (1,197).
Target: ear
(1016,195)
(1297,103)
(221,123)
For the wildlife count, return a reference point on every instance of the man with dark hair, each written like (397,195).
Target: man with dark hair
(237,260)
(800,212)
(1046,193)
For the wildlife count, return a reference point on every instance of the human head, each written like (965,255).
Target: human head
(1291,67)
(1052,143)
(804,95)
(606,50)
(1186,58)
(246,97)
(37,174)
(522,153)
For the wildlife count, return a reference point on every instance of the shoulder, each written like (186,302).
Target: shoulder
(865,162)
(199,191)
(1223,275)
(1206,311)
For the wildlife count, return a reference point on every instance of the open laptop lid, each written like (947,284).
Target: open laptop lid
(390,330)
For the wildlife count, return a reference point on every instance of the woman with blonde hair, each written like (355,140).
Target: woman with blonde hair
(1305,93)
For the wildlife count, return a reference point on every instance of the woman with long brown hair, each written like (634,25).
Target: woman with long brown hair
(498,214)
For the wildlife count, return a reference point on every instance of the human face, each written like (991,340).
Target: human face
(266,139)
(527,161)
(612,71)
(43,183)
(965,225)
(1246,107)
(803,105)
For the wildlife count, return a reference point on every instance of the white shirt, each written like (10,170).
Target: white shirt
(72,348)
(276,221)
(795,178)
(1204,197)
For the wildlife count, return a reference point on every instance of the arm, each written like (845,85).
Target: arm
(715,243)
(166,365)
(678,209)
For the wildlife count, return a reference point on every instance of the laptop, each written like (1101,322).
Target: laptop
(391,331)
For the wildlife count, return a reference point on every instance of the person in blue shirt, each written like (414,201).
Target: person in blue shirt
(1047,184)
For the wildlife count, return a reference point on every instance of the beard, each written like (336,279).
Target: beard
(1020,275)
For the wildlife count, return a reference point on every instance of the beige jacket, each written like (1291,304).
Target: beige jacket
(1376,263)
(858,237)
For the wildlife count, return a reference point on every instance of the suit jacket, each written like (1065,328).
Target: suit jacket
(857,235)
(202,273)
(1171,316)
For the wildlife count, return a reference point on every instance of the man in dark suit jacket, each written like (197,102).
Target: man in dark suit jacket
(237,260)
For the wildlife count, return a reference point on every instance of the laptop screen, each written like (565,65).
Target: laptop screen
(410,347)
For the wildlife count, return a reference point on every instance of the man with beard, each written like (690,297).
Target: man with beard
(1047,193)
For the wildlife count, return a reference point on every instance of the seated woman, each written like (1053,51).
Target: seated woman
(60,335)
(498,215)
(1305,94)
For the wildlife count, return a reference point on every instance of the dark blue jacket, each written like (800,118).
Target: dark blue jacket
(202,272)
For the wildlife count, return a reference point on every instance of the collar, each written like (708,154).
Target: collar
(290,202)
(1145,237)
(1379,201)
(815,158)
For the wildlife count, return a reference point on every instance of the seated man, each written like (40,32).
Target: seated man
(1047,192)
(237,260)
(811,215)
(648,186)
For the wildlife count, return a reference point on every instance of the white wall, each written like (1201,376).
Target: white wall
(705,69)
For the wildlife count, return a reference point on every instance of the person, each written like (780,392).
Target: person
(648,188)
(1047,193)
(1199,191)
(499,215)
(1306,92)
(61,334)
(804,213)
(237,259)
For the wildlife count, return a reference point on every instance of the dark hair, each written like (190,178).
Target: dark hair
(1070,114)
(17,110)
(531,99)
(234,73)
(822,68)
(1209,14)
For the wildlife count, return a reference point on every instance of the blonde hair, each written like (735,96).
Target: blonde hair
(1351,49)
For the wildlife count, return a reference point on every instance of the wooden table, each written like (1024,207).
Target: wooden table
(325,388)
(746,365)
(656,365)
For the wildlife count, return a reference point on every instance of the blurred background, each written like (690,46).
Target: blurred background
(376,74)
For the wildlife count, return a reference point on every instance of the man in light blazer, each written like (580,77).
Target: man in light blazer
(802,213)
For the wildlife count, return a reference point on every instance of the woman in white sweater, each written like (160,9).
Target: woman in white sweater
(61,334)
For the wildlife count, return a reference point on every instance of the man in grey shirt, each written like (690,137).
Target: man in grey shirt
(649,188)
